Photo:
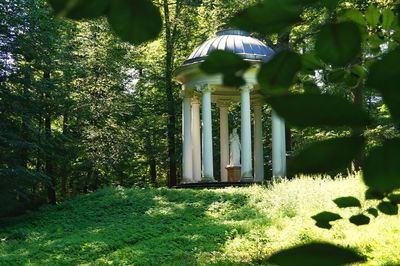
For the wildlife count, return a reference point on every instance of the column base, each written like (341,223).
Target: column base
(206,179)
(247,179)
(186,181)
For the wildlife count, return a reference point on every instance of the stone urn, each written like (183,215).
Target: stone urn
(234,173)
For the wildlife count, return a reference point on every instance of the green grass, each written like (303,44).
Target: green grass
(232,226)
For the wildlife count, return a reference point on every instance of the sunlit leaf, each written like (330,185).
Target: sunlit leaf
(268,16)
(338,44)
(388,208)
(388,17)
(372,15)
(327,156)
(382,167)
(384,76)
(231,65)
(135,21)
(315,254)
(305,110)
(345,202)
(394,198)
(278,74)
(80,9)
(323,219)
(359,219)
(373,212)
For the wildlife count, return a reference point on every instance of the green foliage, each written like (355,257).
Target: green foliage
(359,219)
(135,21)
(276,76)
(229,64)
(381,168)
(323,219)
(326,156)
(315,254)
(268,16)
(388,208)
(384,77)
(346,202)
(318,110)
(338,44)
(231,226)
(80,9)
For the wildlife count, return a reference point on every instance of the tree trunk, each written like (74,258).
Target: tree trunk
(357,95)
(51,189)
(64,174)
(153,170)
(172,180)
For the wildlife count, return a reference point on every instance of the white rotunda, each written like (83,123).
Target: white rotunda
(199,90)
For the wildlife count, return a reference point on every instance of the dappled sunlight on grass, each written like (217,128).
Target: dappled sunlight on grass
(231,226)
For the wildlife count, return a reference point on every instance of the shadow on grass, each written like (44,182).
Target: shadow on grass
(124,226)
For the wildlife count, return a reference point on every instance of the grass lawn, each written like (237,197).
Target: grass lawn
(232,226)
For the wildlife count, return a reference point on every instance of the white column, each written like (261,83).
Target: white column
(258,144)
(208,172)
(278,146)
(196,143)
(224,140)
(247,171)
(187,175)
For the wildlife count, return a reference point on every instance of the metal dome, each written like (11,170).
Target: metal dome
(236,41)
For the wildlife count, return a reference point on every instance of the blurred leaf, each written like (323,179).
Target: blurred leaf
(358,71)
(231,65)
(79,9)
(382,167)
(311,88)
(388,208)
(372,15)
(268,16)
(305,110)
(311,62)
(394,198)
(315,254)
(373,194)
(352,15)
(359,219)
(336,76)
(384,76)
(278,74)
(373,212)
(338,44)
(135,21)
(388,17)
(330,4)
(323,219)
(345,202)
(326,156)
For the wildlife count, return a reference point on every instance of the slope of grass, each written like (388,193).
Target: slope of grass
(232,226)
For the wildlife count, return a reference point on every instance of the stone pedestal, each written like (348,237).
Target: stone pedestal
(234,173)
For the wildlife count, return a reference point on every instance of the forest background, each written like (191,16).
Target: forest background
(80,109)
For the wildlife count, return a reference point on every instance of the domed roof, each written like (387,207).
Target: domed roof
(236,41)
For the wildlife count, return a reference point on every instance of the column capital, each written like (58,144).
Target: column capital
(247,87)
(204,88)
(195,100)
(186,94)
(224,103)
